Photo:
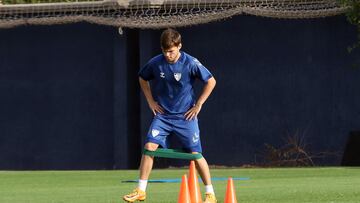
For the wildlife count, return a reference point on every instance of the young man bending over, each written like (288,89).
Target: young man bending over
(172,99)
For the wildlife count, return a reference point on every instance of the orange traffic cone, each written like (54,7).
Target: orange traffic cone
(194,187)
(230,196)
(184,195)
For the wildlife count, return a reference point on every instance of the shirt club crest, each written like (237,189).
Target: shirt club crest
(177,76)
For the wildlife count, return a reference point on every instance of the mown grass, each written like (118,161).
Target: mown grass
(280,185)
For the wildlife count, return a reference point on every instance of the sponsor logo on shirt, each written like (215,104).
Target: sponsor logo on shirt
(177,76)
(154,132)
(162,75)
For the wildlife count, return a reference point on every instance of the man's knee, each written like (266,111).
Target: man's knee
(151,146)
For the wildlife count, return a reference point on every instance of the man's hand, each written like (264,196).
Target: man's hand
(193,112)
(155,107)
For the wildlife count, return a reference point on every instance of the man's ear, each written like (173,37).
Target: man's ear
(180,45)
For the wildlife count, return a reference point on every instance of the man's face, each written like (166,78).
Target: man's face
(172,54)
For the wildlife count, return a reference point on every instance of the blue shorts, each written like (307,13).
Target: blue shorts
(186,133)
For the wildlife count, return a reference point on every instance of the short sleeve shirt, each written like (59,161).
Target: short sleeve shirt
(172,84)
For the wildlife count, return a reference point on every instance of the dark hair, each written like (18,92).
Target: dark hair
(170,38)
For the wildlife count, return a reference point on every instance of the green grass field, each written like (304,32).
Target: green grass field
(295,185)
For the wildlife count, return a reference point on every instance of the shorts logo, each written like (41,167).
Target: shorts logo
(195,138)
(177,76)
(154,132)
(162,75)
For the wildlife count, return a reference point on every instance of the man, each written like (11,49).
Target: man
(172,100)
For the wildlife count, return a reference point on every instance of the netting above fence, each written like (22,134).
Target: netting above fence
(161,13)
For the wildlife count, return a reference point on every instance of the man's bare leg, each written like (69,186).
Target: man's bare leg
(204,171)
(146,165)
(147,161)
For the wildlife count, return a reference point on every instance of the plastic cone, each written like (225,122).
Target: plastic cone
(230,196)
(194,187)
(184,195)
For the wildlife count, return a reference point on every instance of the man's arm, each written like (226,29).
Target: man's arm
(154,106)
(207,89)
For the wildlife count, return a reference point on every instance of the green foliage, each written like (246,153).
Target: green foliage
(353,16)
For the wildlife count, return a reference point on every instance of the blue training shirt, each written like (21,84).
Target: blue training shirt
(172,84)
